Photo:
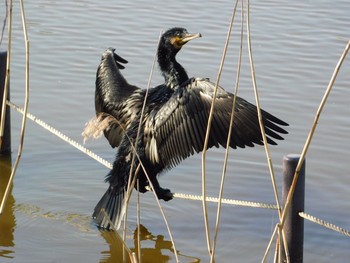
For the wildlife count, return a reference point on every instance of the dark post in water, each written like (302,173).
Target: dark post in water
(5,147)
(294,224)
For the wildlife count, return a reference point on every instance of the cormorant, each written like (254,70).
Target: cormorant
(174,123)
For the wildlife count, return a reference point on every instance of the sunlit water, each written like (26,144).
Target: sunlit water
(296,46)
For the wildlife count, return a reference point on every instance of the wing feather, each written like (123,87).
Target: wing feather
(112,91)
(179,126)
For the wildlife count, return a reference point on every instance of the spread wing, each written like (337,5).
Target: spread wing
(178,129)
(111,94)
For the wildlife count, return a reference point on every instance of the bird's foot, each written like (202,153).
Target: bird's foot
(162,193)
(165,194)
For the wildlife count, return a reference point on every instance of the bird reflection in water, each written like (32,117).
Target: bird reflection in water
(160,251)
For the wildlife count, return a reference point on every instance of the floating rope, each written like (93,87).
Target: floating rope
(325,224)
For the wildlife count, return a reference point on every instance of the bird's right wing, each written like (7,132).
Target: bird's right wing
(178,129)
(112,91)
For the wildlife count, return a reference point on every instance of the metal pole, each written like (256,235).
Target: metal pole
(5,146)
(294,224)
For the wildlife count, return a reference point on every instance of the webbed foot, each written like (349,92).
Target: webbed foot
(165,194)
(162,193)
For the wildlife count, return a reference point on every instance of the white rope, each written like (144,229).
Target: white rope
(61,136)
(225,201)
(177,195)
(109,165)
(325,224)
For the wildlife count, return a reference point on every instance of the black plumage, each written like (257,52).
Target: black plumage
(174,123)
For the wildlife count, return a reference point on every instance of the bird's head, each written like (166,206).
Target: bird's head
(170,44)
(177,37)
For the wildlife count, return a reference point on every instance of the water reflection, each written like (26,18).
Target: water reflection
(156,252)
(7,219)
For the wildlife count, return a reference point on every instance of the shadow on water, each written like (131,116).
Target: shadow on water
(7,219)
(153,248)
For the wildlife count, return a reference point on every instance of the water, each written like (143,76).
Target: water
(296,46)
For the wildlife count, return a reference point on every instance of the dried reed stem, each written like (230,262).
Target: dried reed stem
(152,188)
(138,224)
(311,133)
(26,101)
(137,136)
(229,130)
(210,118)
(5,21)
(263,134)
(135,155)
(7,76)
(268,156)
(269,245)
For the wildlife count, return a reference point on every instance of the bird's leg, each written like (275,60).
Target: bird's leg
(143,184)
(162,193)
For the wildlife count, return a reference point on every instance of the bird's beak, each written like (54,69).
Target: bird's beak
(189,37)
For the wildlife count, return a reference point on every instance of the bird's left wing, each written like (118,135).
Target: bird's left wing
(112,94)
(178,128)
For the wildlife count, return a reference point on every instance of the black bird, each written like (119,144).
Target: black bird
(173,126)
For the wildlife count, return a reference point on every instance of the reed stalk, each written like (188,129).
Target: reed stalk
(7,76)
(26,100)
(221,190)
(312,131)
(262,129)
(5,21)
(135,155)
(137,137)
(205,146)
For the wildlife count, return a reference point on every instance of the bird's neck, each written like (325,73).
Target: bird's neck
(173,73)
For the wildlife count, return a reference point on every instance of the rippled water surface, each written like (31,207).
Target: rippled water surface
(296,46)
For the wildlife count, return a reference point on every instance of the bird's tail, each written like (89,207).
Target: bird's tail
(113,204)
